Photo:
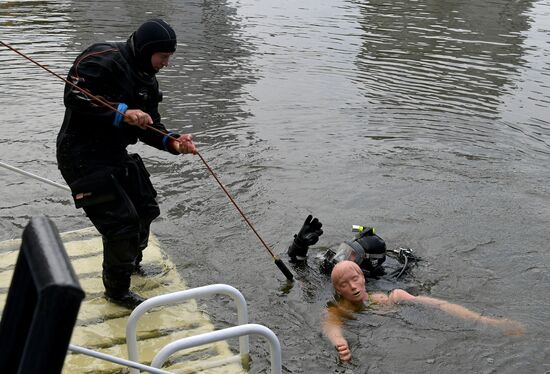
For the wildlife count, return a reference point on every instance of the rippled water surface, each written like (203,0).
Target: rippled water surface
(426,119)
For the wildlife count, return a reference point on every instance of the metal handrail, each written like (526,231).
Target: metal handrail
(179,296)
(26,173)
(227,333)
(116,360)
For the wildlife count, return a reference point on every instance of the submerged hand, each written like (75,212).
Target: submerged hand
(508,326)
(344,352)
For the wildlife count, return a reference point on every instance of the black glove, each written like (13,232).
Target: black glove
(308,235)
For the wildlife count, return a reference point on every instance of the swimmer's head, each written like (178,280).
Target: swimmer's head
(348,281)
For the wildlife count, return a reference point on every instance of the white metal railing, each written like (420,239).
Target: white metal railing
(26,173)
(116,360)
(227,333)
(242,330)
(178,297)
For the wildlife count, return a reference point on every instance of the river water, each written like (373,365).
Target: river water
(425,119)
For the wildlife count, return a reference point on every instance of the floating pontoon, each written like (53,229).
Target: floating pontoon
(168,331)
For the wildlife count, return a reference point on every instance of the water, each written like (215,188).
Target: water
(427,119)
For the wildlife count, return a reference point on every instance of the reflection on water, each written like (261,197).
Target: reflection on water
(427,119)
(457,57)
(456,61)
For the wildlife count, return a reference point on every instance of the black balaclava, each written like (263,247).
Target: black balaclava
(153,36)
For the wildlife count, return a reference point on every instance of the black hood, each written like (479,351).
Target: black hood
(152,36)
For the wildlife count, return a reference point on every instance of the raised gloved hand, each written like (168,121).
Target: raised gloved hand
(310,232)
(308,235)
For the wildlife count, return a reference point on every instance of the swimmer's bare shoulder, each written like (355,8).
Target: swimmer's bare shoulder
(394,297)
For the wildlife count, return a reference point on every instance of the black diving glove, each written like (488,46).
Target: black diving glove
(308,235)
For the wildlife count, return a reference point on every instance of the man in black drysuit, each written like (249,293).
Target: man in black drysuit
(111,185)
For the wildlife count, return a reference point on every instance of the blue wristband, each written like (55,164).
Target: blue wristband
(165,140)
(118,116)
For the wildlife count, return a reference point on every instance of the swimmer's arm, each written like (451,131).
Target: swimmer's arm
(333,326)
(456,310)
(452,309)
(333,330)
(511,327)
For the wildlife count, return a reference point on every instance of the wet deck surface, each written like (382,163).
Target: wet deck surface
(101,325)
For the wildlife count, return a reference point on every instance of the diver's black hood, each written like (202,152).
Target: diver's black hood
(152,36)
(373,245)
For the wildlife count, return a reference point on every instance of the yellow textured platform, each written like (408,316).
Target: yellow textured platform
(101,325)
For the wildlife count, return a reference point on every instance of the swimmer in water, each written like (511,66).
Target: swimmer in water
(351,296)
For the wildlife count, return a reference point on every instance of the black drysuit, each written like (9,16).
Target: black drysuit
(112,186)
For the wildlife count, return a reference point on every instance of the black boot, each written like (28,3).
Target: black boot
(126,299)
(119,256)
(117,288)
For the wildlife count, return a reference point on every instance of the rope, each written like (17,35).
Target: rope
(278,262)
